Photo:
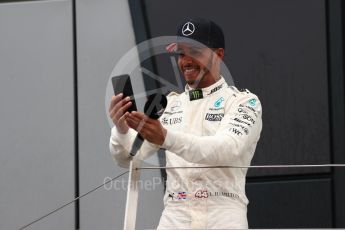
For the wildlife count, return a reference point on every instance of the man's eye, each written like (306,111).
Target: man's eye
(195,52)
(179,53)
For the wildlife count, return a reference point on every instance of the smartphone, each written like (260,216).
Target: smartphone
(122,84)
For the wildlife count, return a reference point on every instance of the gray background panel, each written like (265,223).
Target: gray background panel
(37,120)
(104,35)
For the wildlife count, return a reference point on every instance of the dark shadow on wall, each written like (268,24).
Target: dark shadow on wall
(286,52)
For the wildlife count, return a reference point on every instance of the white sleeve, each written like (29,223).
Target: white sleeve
(120,145)
(239,131)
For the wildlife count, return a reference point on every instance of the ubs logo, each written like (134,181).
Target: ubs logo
(171,121)
(165,121)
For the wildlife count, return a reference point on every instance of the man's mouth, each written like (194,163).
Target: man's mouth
(191,70)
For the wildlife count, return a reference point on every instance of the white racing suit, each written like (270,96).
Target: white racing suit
(218,125)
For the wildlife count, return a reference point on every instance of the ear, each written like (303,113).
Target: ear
(220,52)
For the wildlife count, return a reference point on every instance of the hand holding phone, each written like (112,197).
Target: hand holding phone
(120,104)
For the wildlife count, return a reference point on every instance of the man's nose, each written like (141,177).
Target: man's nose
(187,59)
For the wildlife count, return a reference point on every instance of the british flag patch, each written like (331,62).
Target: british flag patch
(182,195)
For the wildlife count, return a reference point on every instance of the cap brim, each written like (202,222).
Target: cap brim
(172,47)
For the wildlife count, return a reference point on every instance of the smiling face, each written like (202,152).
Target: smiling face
(199,65)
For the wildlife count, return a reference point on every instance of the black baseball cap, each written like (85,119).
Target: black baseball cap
(202,30)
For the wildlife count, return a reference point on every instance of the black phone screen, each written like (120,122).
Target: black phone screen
(122,84)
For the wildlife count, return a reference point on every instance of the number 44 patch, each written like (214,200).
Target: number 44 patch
(201,194)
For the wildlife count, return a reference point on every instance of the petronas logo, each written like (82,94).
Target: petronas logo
(252,102)
(218,103)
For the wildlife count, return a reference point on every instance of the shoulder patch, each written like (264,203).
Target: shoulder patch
(172,93)
(241,91)
(244,90)
(252,102)
(234,89)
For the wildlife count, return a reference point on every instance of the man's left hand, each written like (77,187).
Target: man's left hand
(150,129)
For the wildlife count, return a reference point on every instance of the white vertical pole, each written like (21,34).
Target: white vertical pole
(132,195)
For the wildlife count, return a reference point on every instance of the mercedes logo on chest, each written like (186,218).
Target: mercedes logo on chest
(188,29)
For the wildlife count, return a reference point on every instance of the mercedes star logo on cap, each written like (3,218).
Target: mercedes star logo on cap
(188,29)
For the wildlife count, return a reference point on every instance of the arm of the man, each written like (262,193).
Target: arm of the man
(122,137)
(239,130)
(120,145)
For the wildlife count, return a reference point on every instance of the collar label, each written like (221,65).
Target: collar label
(216,89)
(195,94)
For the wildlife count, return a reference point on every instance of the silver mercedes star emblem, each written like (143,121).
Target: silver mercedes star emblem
(188,29)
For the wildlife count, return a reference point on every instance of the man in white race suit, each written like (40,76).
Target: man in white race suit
(210,124)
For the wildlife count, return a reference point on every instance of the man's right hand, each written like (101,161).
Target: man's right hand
(117,110)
